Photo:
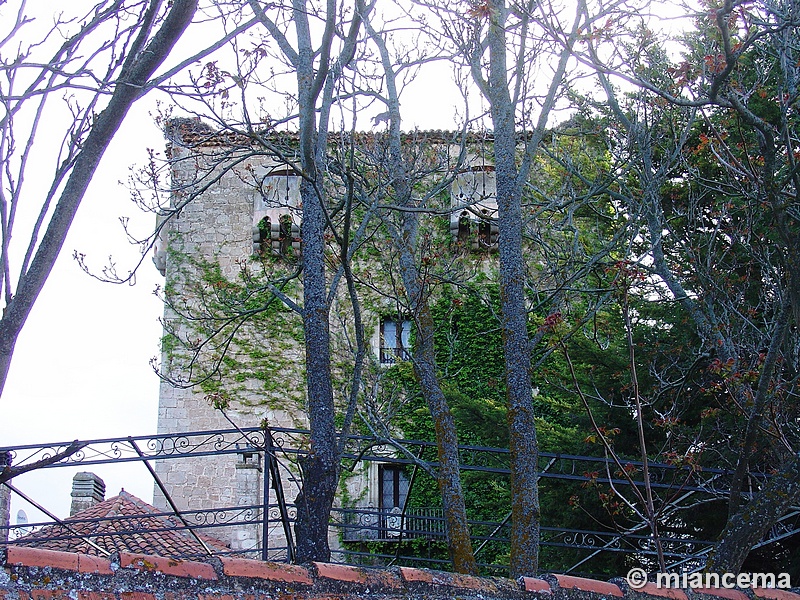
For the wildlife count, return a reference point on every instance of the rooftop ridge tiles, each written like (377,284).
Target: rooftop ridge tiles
(194,133)
(400,582)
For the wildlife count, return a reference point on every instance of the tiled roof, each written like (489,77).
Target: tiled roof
(122,523)
(195,133)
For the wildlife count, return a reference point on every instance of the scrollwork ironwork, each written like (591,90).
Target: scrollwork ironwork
(227,516)
(369,522)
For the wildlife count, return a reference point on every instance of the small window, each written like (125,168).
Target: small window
(487,232)
(462,237)
(395,340)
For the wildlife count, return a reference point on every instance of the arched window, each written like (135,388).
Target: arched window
(276,212)
(463,229)
(280,188)
(285,236)
(474,202)
(262,236)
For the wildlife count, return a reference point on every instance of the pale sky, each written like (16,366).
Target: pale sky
(81,365)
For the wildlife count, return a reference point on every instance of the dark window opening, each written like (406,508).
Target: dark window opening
(393,485)
(285,236)
(487,231)
(484,233)
(463,229)
(262,236)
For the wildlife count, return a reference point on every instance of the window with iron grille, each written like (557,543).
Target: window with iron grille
(395,340)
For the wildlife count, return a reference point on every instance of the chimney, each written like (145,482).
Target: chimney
(87,490)
(5,500)
(246,537)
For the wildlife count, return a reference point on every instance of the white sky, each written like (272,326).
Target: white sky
(81,365)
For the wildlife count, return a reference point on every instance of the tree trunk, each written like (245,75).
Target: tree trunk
(449,477)
(523,446)
(312,66)
(455,512)
(321,467)
(405,240)
(756,518)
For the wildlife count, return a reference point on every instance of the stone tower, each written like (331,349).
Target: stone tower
(219,215)
(228,204)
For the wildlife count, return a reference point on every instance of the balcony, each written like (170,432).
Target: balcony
(392,355)
(390,525)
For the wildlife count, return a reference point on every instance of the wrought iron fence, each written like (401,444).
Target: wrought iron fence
(266,525)
(390,355)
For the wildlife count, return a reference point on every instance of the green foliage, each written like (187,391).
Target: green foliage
(234,336)
(470,357)
(469,348)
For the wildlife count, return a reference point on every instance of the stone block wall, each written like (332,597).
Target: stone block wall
(5,512)
(215,226)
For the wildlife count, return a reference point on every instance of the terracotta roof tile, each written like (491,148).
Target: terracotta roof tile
(194,133)
(123,523)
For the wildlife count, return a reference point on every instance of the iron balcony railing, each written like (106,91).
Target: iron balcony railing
(391,355)
(391,525)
